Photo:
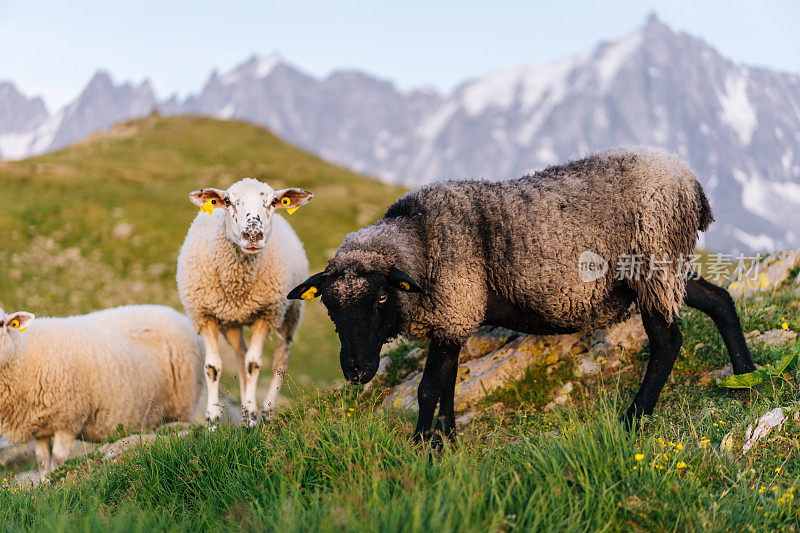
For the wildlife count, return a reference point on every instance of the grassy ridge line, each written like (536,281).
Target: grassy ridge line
(63,248)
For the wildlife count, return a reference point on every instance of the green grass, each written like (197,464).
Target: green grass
(338,461)
(59,253)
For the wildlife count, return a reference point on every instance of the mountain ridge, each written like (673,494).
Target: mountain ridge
(738,126)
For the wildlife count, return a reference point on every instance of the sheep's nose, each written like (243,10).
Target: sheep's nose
(252,236)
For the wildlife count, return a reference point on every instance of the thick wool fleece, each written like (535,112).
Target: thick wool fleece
(216,280)
(137,366)
(514,246)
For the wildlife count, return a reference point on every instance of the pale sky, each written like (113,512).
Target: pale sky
(53,48)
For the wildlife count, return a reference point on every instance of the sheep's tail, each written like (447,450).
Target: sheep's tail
(706,215)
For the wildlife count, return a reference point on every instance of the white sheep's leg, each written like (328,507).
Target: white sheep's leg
(235,337)
(43,457)
(252,369)
(285,336)
(210,334)
(62,444)
(279,361)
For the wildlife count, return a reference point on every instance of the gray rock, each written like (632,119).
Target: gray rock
(115,449)
(11,454)
(767,275)
(486,339)
(750,335)
(629,336)
(587,367)
(776,338)
(769,421)
(479,377)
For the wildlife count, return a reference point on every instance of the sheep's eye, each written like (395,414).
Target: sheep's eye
(382,298)
(213,202)
(14,324)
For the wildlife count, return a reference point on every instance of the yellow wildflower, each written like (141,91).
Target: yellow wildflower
(777,469)
(639,456)
(681,465)
(660,441)
(679,446)
(785,325)
(762,489)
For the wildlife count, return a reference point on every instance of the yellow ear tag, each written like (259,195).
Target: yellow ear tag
(405,286)
(208,207)
(310,294)
(286,202)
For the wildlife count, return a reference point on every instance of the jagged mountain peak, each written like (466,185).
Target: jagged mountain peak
(738,126)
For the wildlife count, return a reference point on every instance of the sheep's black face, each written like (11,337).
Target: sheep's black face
(364,324)
(366,312)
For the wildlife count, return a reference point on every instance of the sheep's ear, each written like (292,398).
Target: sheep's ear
(292,198)
(19,320)
(398,279)
(217,197)
(309,289)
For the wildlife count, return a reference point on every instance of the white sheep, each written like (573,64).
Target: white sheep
(84,375)
(234,269)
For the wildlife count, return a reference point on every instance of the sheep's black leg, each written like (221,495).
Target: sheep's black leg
(442,358)
(717,303)
(665,345)
(446,420)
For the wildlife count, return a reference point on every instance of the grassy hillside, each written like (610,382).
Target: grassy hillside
(339,462)
(100,224)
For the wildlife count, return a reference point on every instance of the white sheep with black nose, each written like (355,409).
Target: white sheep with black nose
(235,267)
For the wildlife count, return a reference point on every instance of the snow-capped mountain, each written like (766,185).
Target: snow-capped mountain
(348,117)
(100,105)
(738,126)
(17,112)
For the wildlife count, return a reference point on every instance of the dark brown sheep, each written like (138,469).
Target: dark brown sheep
(452,256)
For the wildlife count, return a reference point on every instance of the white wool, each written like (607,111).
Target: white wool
(224,289)
(137,366)
(216,280)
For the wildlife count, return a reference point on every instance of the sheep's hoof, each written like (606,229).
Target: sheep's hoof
(249,418)
(212,423)
(265,416)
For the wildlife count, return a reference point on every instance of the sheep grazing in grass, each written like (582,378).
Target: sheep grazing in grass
(83,376)
(538,254)
(234,270)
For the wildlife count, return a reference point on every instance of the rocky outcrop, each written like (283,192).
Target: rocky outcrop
(768,274)
(18,454)
(493,357)
(769,422)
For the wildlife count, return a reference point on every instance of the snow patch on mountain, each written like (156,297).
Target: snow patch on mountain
(614,56)
(737,110)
